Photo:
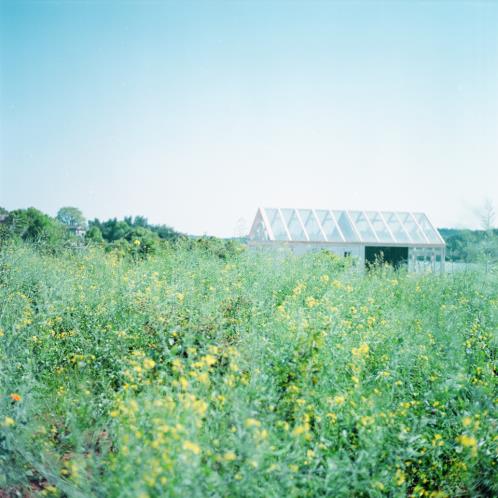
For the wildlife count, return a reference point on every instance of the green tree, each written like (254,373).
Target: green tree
(94,234)
(3,224)
(487,248)
(111,229)
(165,232)
(72,217)
(34,226)
(143,241)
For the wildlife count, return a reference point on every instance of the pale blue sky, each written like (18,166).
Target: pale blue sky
(196,113)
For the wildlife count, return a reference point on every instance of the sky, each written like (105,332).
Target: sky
(194,114)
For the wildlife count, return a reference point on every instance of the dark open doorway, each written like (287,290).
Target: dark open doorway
(394,256)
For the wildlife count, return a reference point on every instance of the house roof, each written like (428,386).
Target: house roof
(344,226)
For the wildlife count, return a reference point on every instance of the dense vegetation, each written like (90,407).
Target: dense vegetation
(471,245)
(135,235)
(199,371)
(128,236)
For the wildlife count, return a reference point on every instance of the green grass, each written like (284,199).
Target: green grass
(190,374)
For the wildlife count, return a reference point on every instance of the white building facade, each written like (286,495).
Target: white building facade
(398,238)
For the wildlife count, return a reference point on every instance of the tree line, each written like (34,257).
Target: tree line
(69,226)
(136,236)
(133,236)
(471,245)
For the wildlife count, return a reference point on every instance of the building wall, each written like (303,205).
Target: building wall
(355,250)
(423,259)
(420,259)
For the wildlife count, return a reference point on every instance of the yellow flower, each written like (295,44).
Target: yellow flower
(339,399)
(149,363)
(468,442)
(361,351)
(400,477)
(203,378)
(200,407)
(332,417)
(366,420)
(136,242)
(467,421)
(209,360)
(298,430)
(437,440)
(229,456)
(177,365)
(311,302)
(293,468)
(252,422)
(193,447)
(8,422)
(262,434)
(298,289)
(214,349)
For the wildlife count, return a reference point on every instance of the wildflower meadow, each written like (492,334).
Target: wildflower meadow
(195,373)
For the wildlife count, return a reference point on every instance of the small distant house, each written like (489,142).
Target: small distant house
(398,238)
(77,230)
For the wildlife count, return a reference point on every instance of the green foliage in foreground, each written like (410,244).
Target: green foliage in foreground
(188,374)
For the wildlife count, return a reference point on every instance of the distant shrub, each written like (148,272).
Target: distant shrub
(221,248)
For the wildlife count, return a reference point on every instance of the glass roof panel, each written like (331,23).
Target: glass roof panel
(329,226)
(396,228)
(311,225)
(276,224)
(379,226)
(293,224)
(427,227)
(412,228)
(323,225)
(260,232)
(345,226)
(362,226)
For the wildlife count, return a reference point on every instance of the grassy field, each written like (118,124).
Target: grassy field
(192,374)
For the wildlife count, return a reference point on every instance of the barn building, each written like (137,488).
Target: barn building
(398,238)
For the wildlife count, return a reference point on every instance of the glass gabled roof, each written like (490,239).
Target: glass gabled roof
(325,225)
